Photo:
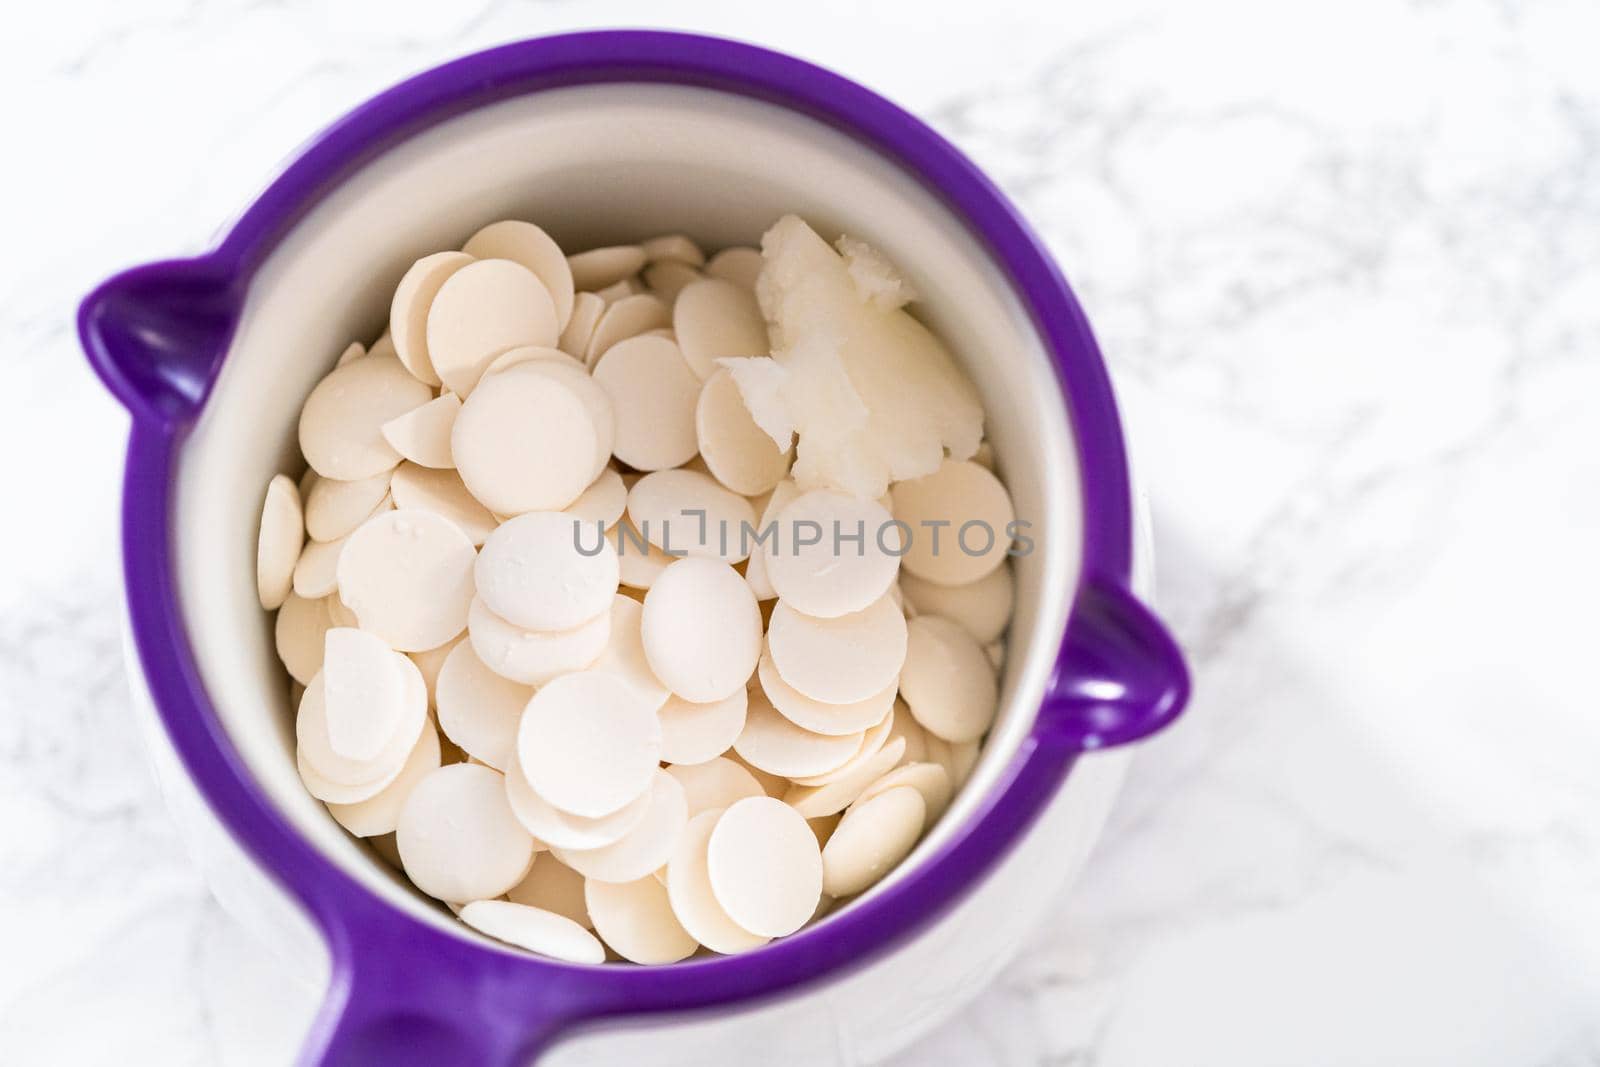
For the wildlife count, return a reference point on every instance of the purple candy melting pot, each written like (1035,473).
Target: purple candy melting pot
(406,992)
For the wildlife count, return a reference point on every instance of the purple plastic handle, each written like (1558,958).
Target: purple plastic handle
(404,991)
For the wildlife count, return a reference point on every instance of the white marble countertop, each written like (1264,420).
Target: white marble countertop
(1345,261)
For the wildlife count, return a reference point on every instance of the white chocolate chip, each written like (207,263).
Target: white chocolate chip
(978,516)
(334,508)
(872,837)
(407,575)
(526,442)
(458,838)
(850,561)
(408,312)
(534,929)
(947,680)
(701,630)
(422,434)
(653,394)
(714,319)
(690,893)
(685,512)
(738,452)
(635,918)
(842,660)
(478,709)
(528,245)
(535,571)
(588,745)
(778,746)
(278,546)
(600,267)
(480,311)
(341,425)
(765,867)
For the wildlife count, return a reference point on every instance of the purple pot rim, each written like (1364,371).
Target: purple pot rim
(528,999)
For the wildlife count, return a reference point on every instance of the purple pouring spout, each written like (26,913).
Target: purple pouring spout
(156,334)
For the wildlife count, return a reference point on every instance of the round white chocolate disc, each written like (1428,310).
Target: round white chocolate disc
(331,792)
(587,744)
(641,850)
(430,661)
(534,657)
(442,492)
(586,311)
(594,398)
(316,572)
(755,571)
(716,783)
(341,424)
(778,746)
(668,278)
(929,779)
(673,248)
(298,634)
(976,511)
(407,575)
(480,311)
(603,502)
(408,312)
(635,919)
(690,893)
(278,545)
(948,681)
(739,265)
(983,608)
(701,630)
(872,742)
(544,571)
(380,814)
(315,746)
(334,508)
(819,801)
(354,350)
(963,757)
(850,561)
(458,838)
(525,243)
(512,357)
(422,435)
(639,562)
(525,442)
(365,689)
(694,733)
(553,886)
(765,866)
(842,660)
(684,512)
(534,929)
(624,655)
(715,319)
(738,452)
(632,316)
(653,394)
(906,726)
(600,267)
(814,715)
(558,829)
(478,709)
(870,839)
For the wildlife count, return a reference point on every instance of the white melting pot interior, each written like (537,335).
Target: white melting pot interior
(593,166)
